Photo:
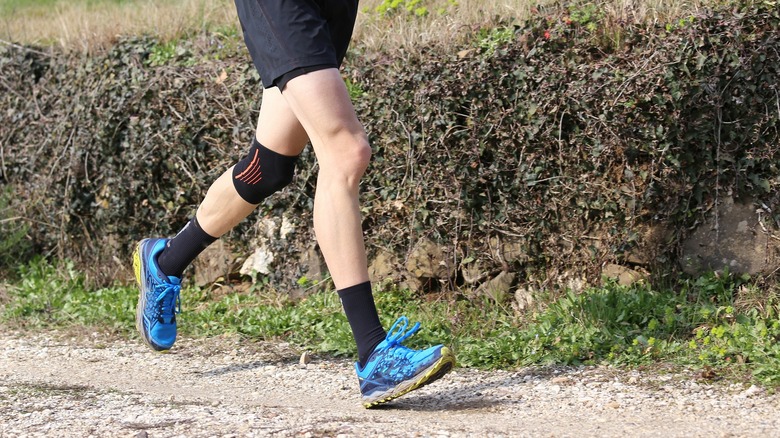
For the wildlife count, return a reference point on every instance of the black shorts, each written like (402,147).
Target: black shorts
(288,38)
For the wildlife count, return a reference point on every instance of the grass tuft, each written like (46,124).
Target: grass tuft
(713,322)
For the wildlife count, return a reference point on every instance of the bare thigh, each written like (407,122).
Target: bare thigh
(278,127)
(320,102)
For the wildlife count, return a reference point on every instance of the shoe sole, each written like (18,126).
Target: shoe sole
(139,308)
(433,373)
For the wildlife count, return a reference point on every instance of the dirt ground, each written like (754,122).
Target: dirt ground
(55,385)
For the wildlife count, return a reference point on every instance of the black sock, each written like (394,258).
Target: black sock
(358,303)
(183,248)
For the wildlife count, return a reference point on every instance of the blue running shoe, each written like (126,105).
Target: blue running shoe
(392,370)
(158,302)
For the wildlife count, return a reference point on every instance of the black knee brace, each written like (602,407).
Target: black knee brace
(262,172)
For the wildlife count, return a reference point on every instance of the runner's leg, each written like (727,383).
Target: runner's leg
(278,130)
(321,103)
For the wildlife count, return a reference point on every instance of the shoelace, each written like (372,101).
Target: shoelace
(168,299)
(397,335)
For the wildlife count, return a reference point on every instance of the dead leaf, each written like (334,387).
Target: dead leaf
(222,77)
(464,53)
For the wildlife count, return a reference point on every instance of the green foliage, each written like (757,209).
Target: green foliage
(179,53)
(697,325)
(489,40)
(166,53)
(701,322)
(49,295)
(587,15)
(682,22)
(316,322)
(355,89)
(412,7)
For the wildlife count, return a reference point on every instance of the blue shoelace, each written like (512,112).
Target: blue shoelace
(397,335)
(168,299)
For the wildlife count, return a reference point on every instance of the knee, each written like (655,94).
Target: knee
(352,159)
(361,153)
(262,173)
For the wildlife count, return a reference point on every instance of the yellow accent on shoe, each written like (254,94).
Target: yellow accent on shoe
(141,271)
(436,371)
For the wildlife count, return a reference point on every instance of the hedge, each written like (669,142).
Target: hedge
(545,154)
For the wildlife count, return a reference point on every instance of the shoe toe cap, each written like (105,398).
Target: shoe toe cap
(163,336)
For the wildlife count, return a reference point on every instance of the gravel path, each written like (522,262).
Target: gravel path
(51,385)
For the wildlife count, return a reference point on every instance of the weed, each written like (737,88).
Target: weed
(490,40)
(704,322)
(587,15)
(51,295)
(168,53)
(412,7)
(161,54)
(355,89)
(680,23)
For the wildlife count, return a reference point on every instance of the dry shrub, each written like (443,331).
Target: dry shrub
(539,154)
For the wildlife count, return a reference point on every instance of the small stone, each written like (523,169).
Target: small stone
(753,390)
(305,359)
(142,434)
(613,404)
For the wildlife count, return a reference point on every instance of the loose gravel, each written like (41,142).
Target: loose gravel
(52,385)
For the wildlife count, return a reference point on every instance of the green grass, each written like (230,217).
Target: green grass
(720,322)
